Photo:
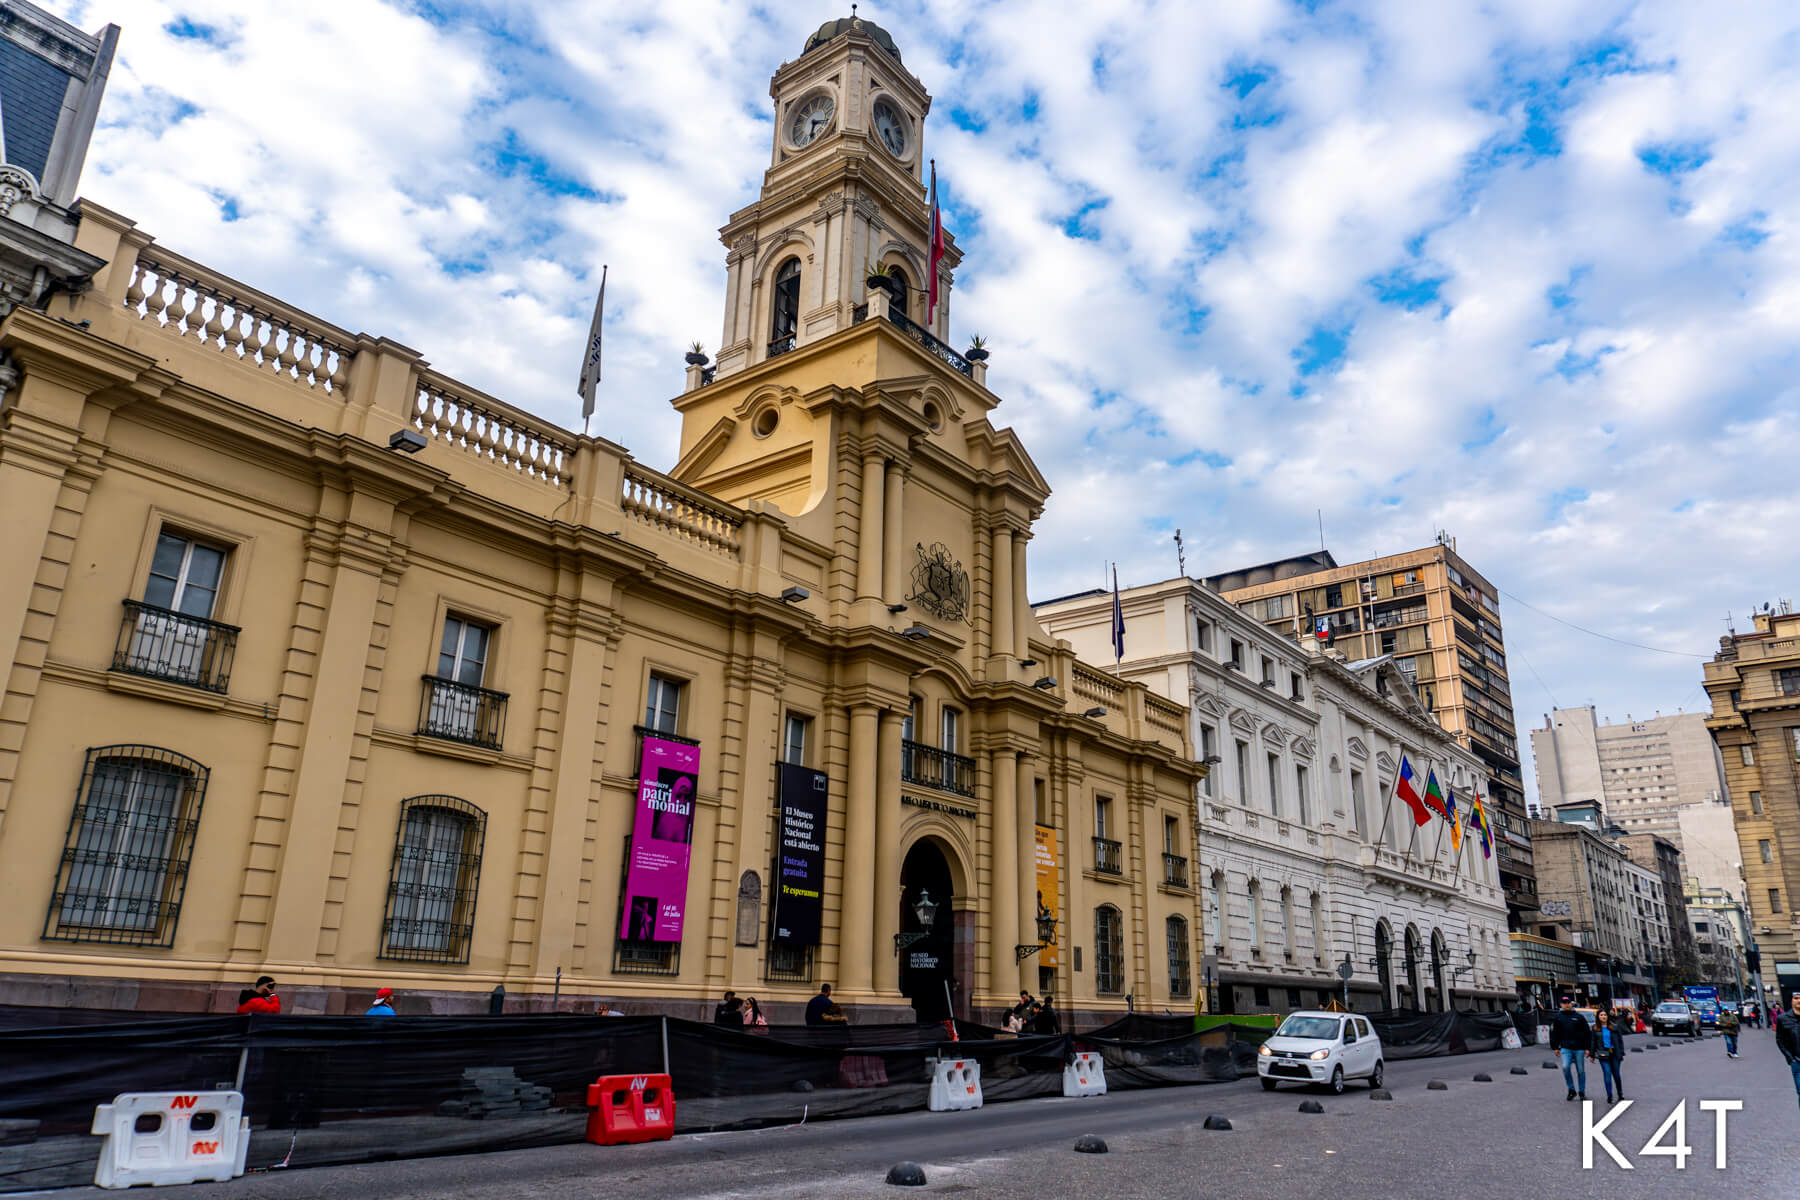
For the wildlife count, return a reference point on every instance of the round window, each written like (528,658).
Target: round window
(933,417)
(763,424)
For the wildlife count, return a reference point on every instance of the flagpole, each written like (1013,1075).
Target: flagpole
(1389,807)
(590,364)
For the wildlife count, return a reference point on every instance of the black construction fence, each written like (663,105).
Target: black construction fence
(332,1090)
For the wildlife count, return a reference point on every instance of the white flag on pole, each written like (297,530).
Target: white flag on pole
(590,364)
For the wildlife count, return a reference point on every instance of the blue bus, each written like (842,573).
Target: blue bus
(1704,1000)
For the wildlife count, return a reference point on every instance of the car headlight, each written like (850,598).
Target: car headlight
(1265,1052)
(1319,1055)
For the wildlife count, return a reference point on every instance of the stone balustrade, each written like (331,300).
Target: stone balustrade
(459,416)
(680,511)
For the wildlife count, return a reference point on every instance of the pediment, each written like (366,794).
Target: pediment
(1243,721)
(1358,748)
(1385,763)
(1274,734)
(1211,705)
(1305,747)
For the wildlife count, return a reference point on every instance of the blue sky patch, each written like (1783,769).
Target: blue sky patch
(1077,224)
(1561,500)
(512,160)
(1746,234)
(1487,429)
(1674,158)
(1402,288)
(1322,350)
(1211,458)
(189,29)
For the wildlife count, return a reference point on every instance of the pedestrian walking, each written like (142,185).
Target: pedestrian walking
(1046,1021)
(1606,1046)
(384,1003)
(1787,1038)
(1729,1025)
(728,1013)
(815,1008)
(1569,1038)
(753,1014)
(260,999)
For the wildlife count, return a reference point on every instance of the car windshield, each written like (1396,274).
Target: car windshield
(1672,1007)
(1319,1029)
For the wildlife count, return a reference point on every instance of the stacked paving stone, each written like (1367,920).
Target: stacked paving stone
(495,1092)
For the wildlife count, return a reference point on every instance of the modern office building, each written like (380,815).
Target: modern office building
(1644,772)
(1440,620)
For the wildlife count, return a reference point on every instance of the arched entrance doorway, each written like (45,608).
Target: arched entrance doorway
(927,921)
(1384,963)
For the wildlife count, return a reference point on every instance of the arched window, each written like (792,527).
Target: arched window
(1181,982)
(1255,917)
(125,862)
(784,308)
(1109,949)
(900,293)
(437,871)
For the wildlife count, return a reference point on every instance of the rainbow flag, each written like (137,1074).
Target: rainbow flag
(1478,816)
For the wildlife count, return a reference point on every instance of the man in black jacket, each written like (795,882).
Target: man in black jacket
(1787,1038)
(1569,1037)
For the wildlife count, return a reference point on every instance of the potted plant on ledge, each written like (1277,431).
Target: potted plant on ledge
(696,355)
(977,351)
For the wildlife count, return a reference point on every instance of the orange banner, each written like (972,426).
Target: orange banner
(1049,880)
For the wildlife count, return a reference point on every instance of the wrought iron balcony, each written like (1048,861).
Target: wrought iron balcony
(163,644)
(1175,870)
(931,767)
(919,334)
(462,712)
(781,345)
(1107,859)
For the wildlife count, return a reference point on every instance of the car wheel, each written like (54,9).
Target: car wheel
(1375,1079)
(1268,1085)
(1337,1081)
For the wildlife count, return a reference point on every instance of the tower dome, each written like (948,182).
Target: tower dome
(842,25)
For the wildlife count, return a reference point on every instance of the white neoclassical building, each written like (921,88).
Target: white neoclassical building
(1305,859)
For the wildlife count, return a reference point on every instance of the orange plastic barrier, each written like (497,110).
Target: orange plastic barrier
(630,1108)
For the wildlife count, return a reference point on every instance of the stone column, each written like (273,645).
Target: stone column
(1022,619)
(1003,897)
(1000,593)
(1027,857)
(856,914)
(868,546)
(893,541)
(887,856)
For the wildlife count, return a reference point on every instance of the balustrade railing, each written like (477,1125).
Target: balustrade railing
(160,643)
(931,767)
(462,712)
(1107,857)
(1096,686)
(1175,870)
(919,334)
(184,299)
(681,511)
(448,412)
(1165,715)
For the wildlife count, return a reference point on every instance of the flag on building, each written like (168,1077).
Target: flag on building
(1434,795)
(1118,622)
(590,364)
(1403,788)
(1322,629)
(1478,815)
(937,251)
(1455,817)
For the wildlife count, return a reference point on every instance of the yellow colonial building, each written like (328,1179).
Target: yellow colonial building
(326,665)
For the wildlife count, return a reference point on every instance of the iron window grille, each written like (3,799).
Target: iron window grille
(630,956)
(788,963)
(1181,980)
(945,770)
(436,876)
(461,712)
(1175,870)
(125,858)
(1109,950)
(1107,857)
(160,643)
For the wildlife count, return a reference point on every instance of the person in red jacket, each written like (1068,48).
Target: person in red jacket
(260,999)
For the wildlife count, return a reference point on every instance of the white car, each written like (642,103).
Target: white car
(1321,1047)
(1674,1016)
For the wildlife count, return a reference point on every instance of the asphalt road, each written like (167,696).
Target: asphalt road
(1510,1138)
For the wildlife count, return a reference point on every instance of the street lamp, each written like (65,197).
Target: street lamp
(1046,935)
(1469,955)
(924,908)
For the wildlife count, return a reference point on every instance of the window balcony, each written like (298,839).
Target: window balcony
(1107,859)
(462,712)
(1175,873)
(945,770)
(160,643)
(919,334)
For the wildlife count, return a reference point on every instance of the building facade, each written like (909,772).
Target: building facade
(1609,910)
(330,666)
(1754,685)
(1662,907)
(1721,934)
(1643,772)
(1440,619)
(1305,862)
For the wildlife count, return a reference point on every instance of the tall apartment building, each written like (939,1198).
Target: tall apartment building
(1593,896)
(1440,619)
(1642,772)
(1754,685)
(1662,917)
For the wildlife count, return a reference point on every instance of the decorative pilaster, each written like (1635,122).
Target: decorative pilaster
(854,968)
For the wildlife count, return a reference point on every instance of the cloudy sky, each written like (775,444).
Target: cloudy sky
(1528,272)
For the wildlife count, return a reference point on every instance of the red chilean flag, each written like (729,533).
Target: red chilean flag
(937,251)
(1403,788)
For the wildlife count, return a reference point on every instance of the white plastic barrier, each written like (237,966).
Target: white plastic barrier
(1509,1039)
(162,1138)
(1086,1076)
(1543,1035)
(955,1084)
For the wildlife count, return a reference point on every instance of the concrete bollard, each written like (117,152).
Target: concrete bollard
(906,1174)
(1090,1143)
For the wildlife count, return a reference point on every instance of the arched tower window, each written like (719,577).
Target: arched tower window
(784,318)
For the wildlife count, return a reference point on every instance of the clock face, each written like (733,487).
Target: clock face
(810,119)
(891,127)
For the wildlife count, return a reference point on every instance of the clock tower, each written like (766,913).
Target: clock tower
(844,198)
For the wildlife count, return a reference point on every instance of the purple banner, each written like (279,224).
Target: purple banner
(661,842)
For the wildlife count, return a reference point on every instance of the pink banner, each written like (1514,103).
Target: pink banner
(661,842)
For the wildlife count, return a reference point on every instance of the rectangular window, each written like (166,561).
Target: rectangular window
(1747,755)
(951,728)
(463,654)
(1209,748)
(1788,681)
(1295,690)
(1203,636)
(1180,977)
(1268,670)
(1172,835)
(1275,606)
(1237,654)
(1388,642)
(1300,795)
(1774,900)
(1243,773)
(171,634)
(1109,950)
(1794,740)
(662,706)
(1765,849)
(1334,595)
(793,747)
(1756,803)
(1357,812)
(909,724)
(437,867)
(184,576)
(125,864)
(456,705)
(1102,816)
(1275,784)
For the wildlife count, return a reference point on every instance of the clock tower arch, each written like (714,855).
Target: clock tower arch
(844,198)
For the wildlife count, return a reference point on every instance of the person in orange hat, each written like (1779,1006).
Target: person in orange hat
(384,1003)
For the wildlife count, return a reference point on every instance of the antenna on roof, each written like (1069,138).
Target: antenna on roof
(1180,554)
